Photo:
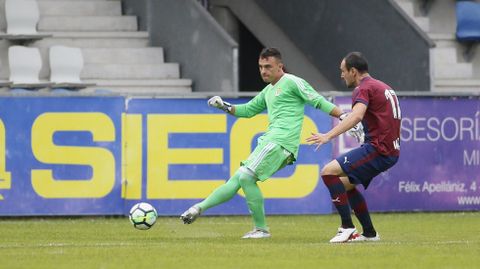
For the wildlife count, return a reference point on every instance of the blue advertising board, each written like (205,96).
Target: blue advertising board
(100,155)
(60,156)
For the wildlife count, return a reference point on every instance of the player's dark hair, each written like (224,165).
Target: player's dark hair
(356,60)
(271,52)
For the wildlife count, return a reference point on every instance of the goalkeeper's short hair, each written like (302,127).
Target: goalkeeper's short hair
(271,52)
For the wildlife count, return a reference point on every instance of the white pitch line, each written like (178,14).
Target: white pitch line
(123,244)
(393,243)
(55,245)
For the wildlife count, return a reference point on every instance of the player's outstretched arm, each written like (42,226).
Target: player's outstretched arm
(346,124)
(352,119)
(217,102)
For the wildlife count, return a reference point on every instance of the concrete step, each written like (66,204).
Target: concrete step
(442,16)
(180,82)
(444,55)
(121,56)
(145,91)
(408,7)
(450,41)
(131,71)
(453,71)
(109,71)
(96,40)
(150,55)
(88,23)
(456,85)
(444,40)
(80,8)
(144,86)
(99,34)
(423,23)
(171,87)
(81,0)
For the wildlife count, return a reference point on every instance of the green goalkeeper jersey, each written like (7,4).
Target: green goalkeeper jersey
(285,102)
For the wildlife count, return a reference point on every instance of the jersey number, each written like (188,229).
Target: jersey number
(392,97)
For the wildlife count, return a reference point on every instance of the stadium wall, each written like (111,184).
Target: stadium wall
(100,155)
(192,37)
(396,49)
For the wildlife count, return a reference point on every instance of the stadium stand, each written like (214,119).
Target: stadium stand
(66,65)
(25,64)
(451,71)
(117,57)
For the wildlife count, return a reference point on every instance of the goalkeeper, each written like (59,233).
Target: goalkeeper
(284,97)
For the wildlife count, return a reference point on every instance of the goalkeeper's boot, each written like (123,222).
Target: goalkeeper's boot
(343,234)
(357,237)
(191,214)
(257,233)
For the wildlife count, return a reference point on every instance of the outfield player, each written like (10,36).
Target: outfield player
(375,104)
(284,98)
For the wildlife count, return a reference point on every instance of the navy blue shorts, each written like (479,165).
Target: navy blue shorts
(364,163)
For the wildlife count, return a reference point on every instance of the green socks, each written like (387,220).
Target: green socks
(252,192)
(255,200)
(222,194)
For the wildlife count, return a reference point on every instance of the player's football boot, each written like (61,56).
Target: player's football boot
(343,234)
(191,214)
(257,233)
(357,237)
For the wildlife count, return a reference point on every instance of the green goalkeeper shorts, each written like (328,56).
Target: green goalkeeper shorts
(266,159)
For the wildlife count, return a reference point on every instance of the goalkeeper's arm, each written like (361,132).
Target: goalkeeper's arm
(217,102)
(348,121)
(337,113)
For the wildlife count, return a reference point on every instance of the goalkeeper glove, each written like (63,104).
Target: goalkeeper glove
(217,102)
(356,131)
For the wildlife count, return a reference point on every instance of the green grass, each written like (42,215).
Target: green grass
(414,240)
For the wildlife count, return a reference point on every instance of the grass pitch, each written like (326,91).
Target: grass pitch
(414,240)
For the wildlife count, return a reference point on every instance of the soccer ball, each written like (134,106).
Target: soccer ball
(143,216)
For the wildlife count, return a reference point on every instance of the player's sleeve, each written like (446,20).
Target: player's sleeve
(312,97)
(360,96)
(251,108)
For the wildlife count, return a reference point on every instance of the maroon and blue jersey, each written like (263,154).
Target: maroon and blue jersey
(381,121)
